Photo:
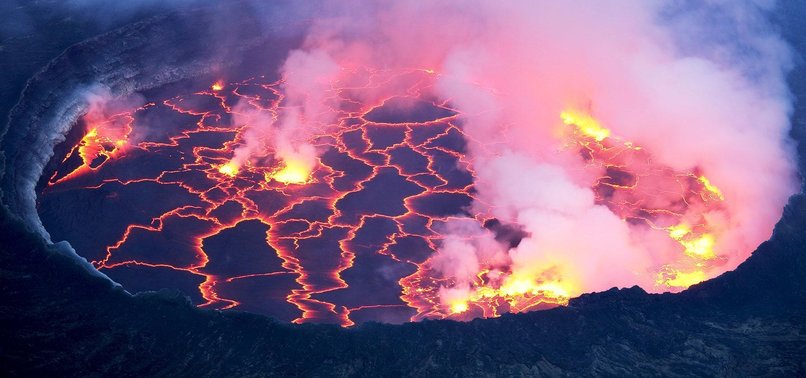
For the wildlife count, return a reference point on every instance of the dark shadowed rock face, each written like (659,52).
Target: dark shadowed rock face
(58,320)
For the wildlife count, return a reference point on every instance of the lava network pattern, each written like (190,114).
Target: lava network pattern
(383,183)
(147,196)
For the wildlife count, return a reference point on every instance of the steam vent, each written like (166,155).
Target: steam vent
(448,188)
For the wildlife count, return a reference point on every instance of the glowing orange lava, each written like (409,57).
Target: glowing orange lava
(230,169)
(586,124)
(292,172)
(317,249)
(498,289)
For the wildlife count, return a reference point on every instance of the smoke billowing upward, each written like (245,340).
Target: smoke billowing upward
(632,142)
(109,130)
(308,77)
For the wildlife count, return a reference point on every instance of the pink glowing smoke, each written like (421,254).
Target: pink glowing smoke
(693,103)
(307,107)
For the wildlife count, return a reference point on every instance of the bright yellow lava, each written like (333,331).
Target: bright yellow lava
(554,290)
(679,231)
(459,307)
(229,169)
(294,172)
(586,124)
(519,291)
(217,86)
(698,246)
(701,247)
(683,279)
(514,286)
(711,188)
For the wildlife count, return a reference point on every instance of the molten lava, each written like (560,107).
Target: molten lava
(627,189)
(105,139)
(700,199)
(292,172)
(230,169)
(586,124)
(374,202)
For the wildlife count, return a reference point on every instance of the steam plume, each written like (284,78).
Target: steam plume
(307,107)
(708,111)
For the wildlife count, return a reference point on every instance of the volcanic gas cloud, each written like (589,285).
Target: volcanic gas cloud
(608,144)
